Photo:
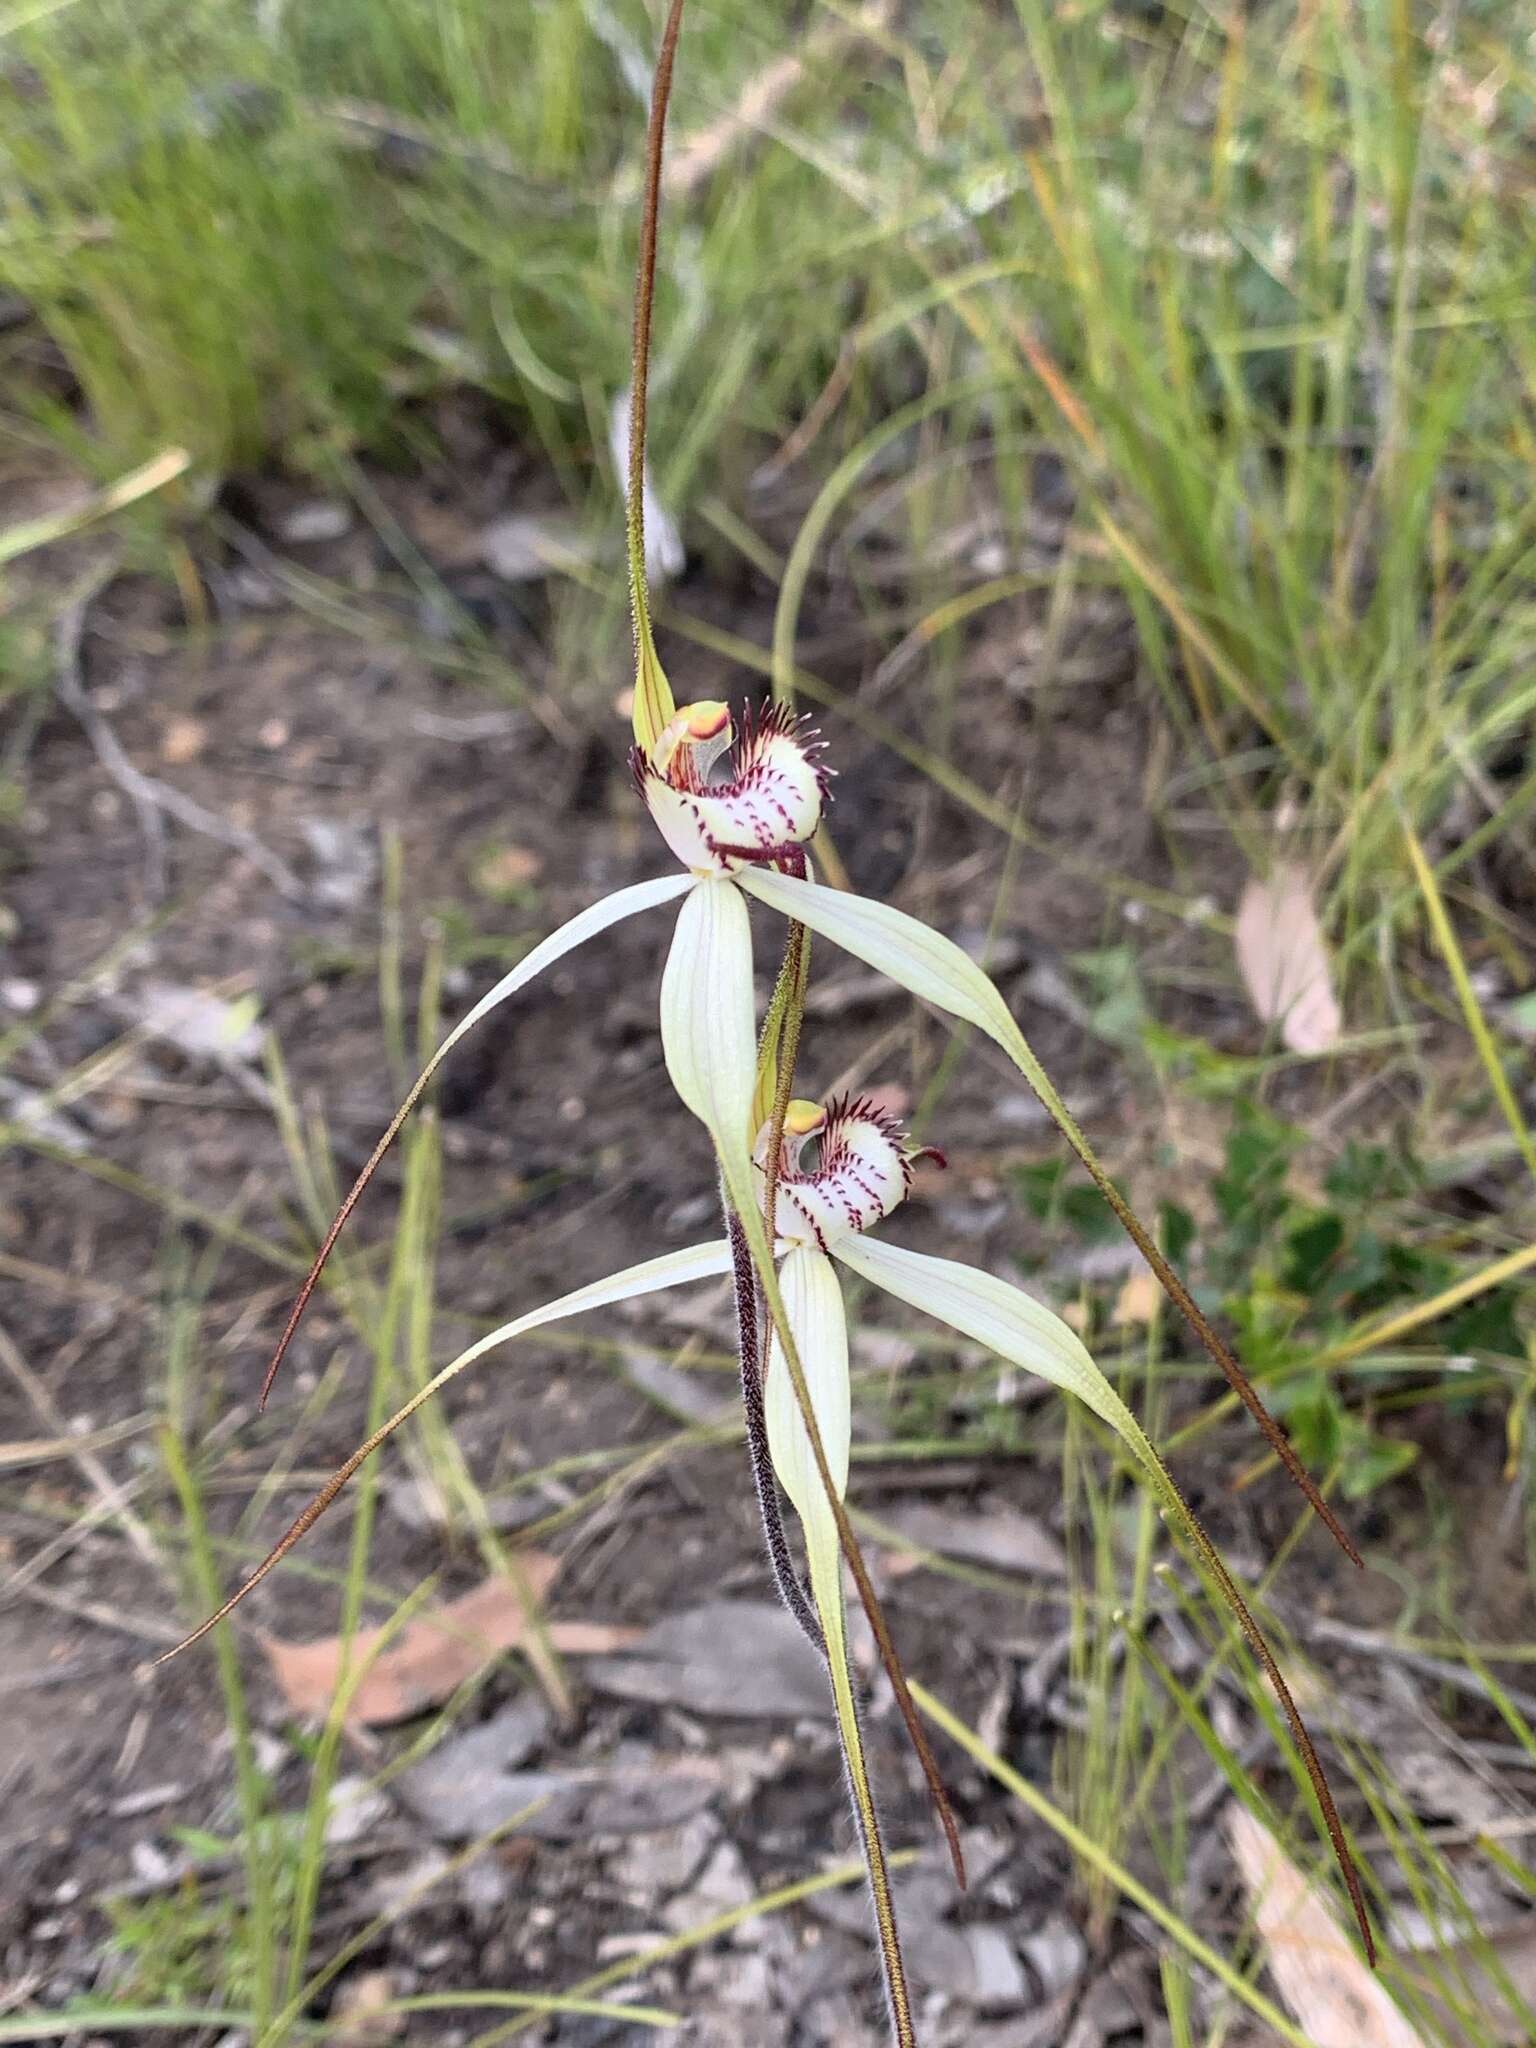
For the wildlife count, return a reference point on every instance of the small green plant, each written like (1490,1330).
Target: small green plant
(1294,1278)
(171,1948)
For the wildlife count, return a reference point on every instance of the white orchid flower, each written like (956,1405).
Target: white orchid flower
(739,813)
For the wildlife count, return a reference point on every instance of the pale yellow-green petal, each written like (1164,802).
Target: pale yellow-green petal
(813,1303)
(1003,1318)
(1006,1320)
(707,1031)
(586,924)
(936,969)
(924,961)
(671,1269)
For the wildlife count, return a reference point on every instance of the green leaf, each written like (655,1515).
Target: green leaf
(586,924)
(1372,1460)
(1117,1005)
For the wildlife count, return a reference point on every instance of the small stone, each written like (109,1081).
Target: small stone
(653,1866)
(721,1886)
(318,519)
(271,1752)
(150,1864)
(998,1983)
(345,859)
(484,1887)
(352,1812)
(183,740)
(360,2015)
(1057,1953)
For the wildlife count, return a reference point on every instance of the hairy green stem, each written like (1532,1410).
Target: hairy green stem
(781,1032)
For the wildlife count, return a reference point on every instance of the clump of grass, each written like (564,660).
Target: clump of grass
(255,236)
(1273,307)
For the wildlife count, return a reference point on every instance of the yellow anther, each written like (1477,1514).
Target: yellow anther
(694,726)
(706,719)
(802,1117)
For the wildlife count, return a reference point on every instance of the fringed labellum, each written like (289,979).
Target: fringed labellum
(764,806)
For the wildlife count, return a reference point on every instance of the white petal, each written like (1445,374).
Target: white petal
(923,961)
(672,1269)
(586,924)
(1006,1320)
(707,1029)
(680,821)
(813,1304)
(935,969)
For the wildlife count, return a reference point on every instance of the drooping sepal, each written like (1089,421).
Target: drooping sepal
(813,1308)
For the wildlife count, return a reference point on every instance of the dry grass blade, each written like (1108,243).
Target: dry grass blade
(112,1496)
(151,476)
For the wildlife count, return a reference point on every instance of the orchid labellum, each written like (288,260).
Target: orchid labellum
(739,807)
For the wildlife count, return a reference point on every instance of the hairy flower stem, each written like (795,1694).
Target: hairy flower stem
(793,978)
(751,1224)
(785,1577)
